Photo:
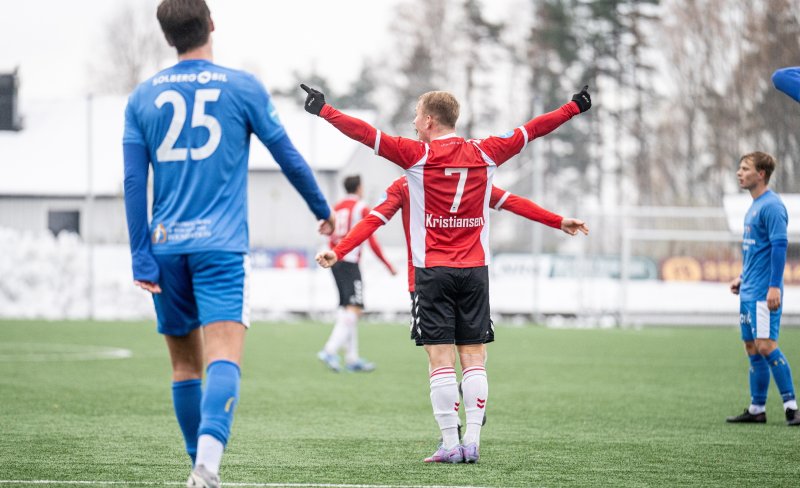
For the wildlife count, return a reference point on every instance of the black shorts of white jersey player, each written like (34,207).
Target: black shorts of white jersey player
(451,306)
(348,281)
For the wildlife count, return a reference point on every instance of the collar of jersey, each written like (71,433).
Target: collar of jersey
(446,136)
(194,61)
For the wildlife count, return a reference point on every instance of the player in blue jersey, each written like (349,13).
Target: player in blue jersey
(787,80)
(192,124)
(760,289)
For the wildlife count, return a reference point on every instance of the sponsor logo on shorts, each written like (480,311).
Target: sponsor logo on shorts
(744,318)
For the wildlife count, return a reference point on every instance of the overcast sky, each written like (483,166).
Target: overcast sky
(54,41)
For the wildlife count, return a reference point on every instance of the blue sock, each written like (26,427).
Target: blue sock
(782,374)
(186,396)
(759,379)
(219,400)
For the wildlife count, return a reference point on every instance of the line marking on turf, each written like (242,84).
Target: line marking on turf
(247,485)
(37,352)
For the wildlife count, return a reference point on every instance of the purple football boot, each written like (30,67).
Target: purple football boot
(442,455)
(471,453)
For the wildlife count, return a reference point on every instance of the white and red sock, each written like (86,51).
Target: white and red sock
(444,399)
(475,388)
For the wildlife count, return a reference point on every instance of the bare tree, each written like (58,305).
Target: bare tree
(722,53)
(132,49)
(772,40)
(421,31)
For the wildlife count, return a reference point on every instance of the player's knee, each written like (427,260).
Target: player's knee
(441,355)
(765,348)
(472,355)
(189,368)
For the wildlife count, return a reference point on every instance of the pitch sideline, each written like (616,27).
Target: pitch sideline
(243,485)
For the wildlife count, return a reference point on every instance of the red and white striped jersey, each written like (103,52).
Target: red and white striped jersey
(349,212)
(397,198)
(449,183)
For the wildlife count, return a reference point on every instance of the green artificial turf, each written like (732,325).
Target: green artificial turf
(619,408)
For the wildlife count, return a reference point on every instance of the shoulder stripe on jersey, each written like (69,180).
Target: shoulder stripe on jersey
(377,141)
(486,158)
(502,200)
(379,215)
(524,136)
(424,157)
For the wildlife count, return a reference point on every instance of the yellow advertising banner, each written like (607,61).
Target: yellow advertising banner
(688,268)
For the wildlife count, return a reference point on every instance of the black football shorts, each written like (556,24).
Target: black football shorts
(348,281)
(451,306)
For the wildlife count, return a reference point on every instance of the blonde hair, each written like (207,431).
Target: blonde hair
(440,105)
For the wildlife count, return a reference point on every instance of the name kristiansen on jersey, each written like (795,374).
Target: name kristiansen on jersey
(448,222)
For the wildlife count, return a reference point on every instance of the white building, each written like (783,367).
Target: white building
(65,170)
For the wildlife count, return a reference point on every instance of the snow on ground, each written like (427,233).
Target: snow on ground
(48,277)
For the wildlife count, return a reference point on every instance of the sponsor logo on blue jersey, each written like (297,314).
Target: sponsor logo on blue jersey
(159,234)
(203,77)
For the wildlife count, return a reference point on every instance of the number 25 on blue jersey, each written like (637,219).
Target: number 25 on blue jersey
(167,151)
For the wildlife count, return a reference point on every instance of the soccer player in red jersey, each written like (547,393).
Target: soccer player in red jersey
(349,212)
(449,185)
(396,198)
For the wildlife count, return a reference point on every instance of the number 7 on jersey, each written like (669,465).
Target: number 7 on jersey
(462,181)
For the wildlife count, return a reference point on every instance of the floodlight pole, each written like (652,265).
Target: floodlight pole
(87,225)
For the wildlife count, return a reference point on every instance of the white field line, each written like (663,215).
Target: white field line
(45,352)
(244,485)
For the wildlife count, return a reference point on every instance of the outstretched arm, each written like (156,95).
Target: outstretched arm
(362,231)
(504,200)
(399,150)
(787,80)
(504,147)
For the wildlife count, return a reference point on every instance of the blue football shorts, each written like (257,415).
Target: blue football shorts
(758,322)
(201,288)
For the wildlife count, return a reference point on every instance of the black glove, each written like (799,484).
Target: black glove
(582,98)
(314,101)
